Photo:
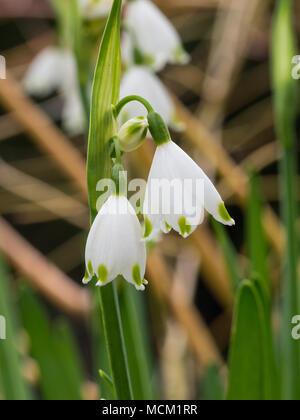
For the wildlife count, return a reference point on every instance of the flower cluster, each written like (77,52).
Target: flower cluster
(116,244)
(149,42)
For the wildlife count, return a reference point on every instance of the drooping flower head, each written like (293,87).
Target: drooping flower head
(152,34)
(114,245)
(178,190)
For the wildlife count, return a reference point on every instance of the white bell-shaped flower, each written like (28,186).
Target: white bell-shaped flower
(95,9)
(140,80)
(176,193)
(114,246)
(153,34)
(43,75)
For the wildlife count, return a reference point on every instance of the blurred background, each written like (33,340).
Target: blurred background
(182,323)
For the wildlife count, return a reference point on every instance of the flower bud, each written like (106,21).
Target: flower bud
(133,133)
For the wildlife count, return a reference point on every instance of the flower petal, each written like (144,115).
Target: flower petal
(114,243)
(154,34)
(43,76)
(139,80)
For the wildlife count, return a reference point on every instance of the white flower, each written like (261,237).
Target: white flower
(43,75)
(183,203)
(94,9)
(153,34)
(140,80)
(56,69)
(72,114)
(114,245)
(132,133)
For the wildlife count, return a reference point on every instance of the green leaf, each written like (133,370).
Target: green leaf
(100,352)
(272,383)
(103,127)
(107,379)
(249,370)
(285,104)
(12,383)
(137,342)
(54,351)
(212,384)
(229,252)
(283,50)
(256,240)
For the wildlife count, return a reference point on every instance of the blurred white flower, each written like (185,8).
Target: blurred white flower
(132,133)
(94,9)
(152,34)
(184,204)
(140,80)
(114,246)
(73,119)
(55,69)
(43,75)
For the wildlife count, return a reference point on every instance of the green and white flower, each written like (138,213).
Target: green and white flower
(171,163)
(55,69)
(133,133)
(140,80)
(114,246)
(153,35)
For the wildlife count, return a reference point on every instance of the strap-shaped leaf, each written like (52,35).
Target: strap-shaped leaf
(250,372)
(105,94)
(12,383)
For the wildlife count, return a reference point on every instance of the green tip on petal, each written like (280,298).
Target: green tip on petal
(184,227)
(180,55)
(223,213)
(136,275)
(86,279)
(102,273)
(168,227)
(148,228)
(90,268)
(138,281)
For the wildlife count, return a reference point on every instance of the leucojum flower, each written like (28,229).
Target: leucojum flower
(54,69)
(177,193)
(114,246)
(149,42)
(151,36)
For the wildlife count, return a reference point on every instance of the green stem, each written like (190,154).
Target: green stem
(118,108)
(115,341)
